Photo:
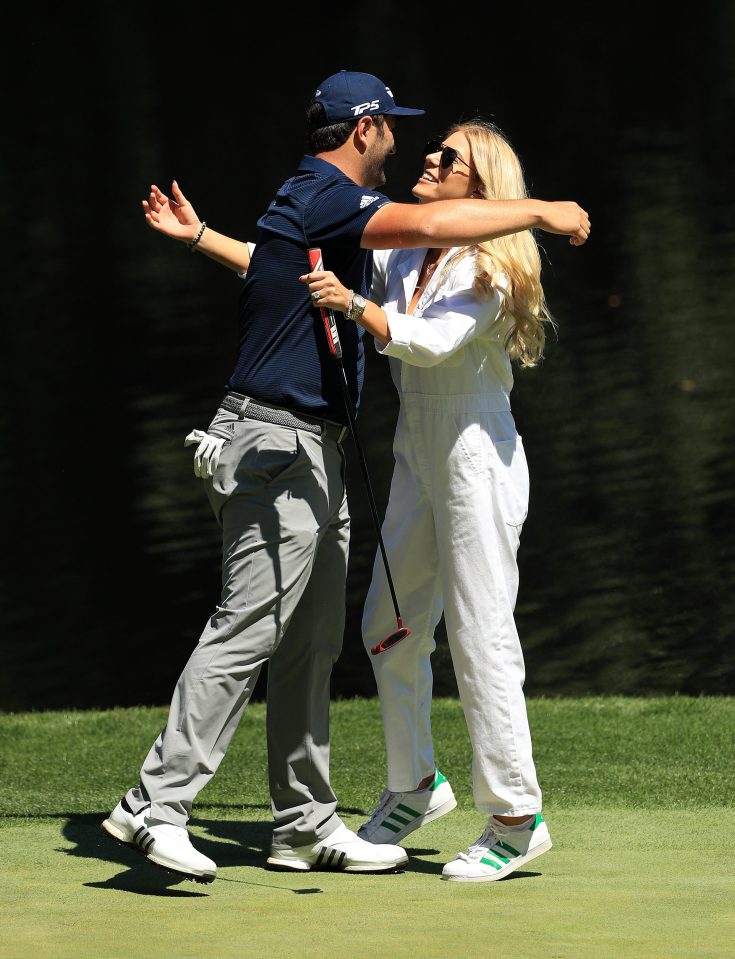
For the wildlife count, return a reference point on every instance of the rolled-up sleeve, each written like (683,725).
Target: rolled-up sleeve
(446,325)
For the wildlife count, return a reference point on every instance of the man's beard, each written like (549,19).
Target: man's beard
(375,171)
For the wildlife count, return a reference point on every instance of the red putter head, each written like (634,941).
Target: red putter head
(390,641)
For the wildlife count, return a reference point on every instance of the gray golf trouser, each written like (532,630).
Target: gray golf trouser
(279,495)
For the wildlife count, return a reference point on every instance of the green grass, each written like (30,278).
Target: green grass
(637,796)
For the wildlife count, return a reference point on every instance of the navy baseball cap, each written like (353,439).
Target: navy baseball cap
(347,96)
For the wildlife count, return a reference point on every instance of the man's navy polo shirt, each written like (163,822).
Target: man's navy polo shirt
(284,357)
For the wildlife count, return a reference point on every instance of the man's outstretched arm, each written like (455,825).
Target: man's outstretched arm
(175,217)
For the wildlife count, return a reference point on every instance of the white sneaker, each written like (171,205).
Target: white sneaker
(499,851)
(398,814)
(341,851)
(162,843)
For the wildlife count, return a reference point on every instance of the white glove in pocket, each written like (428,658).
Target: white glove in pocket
(206,456)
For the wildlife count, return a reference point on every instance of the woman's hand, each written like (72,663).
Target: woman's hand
(326,290)
(174,217)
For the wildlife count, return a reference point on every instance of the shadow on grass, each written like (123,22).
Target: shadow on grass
(150,882)
(229,843)
(417,864)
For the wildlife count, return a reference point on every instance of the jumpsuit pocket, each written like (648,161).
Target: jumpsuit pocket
(511,480)
(501,463)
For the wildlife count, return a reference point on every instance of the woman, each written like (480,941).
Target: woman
(452,322)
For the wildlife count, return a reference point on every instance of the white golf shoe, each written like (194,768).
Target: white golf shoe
(341,851)
(164,844)
(398,814)
(499,851)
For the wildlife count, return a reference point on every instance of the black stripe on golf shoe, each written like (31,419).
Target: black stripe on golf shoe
(143,839)
(330,859)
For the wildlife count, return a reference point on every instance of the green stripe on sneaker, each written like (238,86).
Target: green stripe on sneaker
(504,845)
(539,819)
(438,780)
(407,809)
(394,815)
(389,825)
(491,862)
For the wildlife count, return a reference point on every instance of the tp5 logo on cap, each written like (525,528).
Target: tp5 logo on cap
(373,106)
(347,95)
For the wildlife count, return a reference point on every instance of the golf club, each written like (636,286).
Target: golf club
(335,348)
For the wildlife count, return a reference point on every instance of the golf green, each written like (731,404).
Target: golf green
(638,795)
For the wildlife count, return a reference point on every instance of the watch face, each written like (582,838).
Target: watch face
(360,301)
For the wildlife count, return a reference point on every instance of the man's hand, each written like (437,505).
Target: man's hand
(568,217)
(174,217)
(206,456)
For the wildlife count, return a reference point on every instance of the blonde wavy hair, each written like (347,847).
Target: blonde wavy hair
(501,177)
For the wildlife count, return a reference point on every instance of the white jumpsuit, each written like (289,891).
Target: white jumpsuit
(458,500)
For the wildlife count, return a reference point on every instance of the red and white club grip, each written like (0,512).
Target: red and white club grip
(330,323)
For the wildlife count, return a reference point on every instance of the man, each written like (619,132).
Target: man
(273,466)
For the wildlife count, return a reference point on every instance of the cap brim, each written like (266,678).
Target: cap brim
(403,112)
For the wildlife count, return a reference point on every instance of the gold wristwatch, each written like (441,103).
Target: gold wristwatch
(356,307)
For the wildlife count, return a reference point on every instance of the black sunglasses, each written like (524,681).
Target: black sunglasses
(448,154)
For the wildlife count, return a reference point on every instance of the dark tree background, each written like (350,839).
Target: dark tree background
(116,342)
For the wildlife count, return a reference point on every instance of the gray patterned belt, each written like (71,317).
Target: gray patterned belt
(255,410)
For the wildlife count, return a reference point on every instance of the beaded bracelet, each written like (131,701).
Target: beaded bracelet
(192,243)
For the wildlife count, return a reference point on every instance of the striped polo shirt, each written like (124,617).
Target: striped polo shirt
(283,353)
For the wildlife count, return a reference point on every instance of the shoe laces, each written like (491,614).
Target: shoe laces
(494,831)
(384,805)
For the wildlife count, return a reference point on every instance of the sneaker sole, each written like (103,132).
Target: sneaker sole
(506,870)
(112,830)
(431,816)
(301,865)
(122,837)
